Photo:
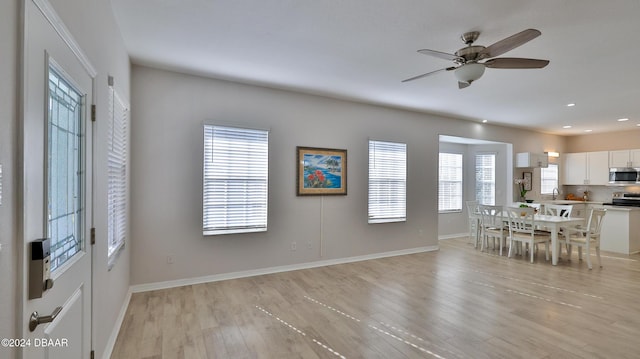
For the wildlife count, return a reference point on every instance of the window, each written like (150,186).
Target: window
(387,182)
(235,180)
(65,172)
(450,182)
(117,189)
(486,179)
(548,179)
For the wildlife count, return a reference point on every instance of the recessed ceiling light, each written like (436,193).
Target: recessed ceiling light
(588,130)
(623,119)
(571,104)
(484,121)
(567,126)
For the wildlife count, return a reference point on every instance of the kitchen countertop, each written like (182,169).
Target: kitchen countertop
(567,201)
(607,206)
(621,208)
(598,203)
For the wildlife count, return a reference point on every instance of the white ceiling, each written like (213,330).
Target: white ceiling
(362,49)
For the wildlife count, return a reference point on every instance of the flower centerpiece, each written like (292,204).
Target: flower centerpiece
(523,192)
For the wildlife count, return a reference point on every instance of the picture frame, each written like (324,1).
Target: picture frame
(527,176)
(321,171)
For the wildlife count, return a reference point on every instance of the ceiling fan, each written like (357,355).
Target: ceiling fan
(467,66)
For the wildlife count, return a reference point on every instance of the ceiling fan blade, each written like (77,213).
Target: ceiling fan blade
(510,43)
(462,85)
(428,74)
(441,55)
(515,63)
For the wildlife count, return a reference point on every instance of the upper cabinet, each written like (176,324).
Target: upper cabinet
(585,168)
(574,168)
(624,158)
(531,160)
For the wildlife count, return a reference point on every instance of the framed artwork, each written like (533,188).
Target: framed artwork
(321,171)
(527,180)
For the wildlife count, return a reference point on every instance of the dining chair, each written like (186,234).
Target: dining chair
(492,226)
(473,214)
(562,210)
(538,209)
(587,237)
(522,228)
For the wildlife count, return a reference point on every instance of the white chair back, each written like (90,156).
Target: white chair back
(472,207)
(474,219)
(562,210)
(521,220)
(594,224)
(492,216)
(522,228)
(493,225)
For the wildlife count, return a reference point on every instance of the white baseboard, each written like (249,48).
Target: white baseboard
(455,235)
(116,327)
(250,273)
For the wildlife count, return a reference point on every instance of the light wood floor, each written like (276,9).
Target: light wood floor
(452,303)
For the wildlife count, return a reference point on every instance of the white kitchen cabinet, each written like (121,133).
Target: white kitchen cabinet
(621,231)
(598,168)
(624,158)
(532,160)
(574,168)
(586,168)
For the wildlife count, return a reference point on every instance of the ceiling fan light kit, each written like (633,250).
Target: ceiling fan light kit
(467,69)
(470,72)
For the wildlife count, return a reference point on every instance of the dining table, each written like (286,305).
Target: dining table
(553,225)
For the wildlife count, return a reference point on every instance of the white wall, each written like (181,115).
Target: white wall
(168,112)
(608,141)
(9,15)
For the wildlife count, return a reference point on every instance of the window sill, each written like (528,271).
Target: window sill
(450,212)
(387,220)
(233,231)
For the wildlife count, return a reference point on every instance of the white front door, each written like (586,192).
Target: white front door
(57,188)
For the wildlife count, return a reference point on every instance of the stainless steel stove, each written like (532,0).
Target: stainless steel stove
(626,199)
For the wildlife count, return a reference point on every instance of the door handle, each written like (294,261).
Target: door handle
(37,319)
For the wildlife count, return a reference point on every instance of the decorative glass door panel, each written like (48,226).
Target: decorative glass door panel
(65,175)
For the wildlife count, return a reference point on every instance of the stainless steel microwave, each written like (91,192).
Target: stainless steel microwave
(623,175)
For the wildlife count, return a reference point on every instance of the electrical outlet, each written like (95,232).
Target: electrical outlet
(293,246)
(309,244)
(169,259)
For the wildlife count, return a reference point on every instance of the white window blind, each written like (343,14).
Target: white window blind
(387,182)
(450,182)
(548,179)
(117,191)
(235,184)
(486,179)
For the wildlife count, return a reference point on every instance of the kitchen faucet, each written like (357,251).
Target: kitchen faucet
(555,193)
